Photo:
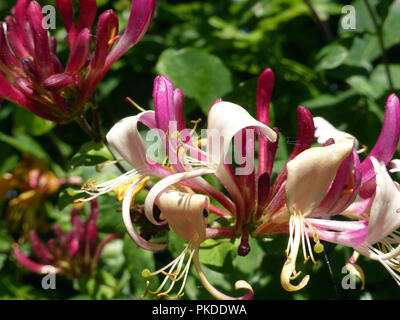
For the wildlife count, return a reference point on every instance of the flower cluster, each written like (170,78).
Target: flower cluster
(317,184)
(26,189)
(32,76)
(74,253)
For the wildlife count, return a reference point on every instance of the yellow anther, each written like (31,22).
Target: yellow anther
(175,135)
(146,273)
(318,247)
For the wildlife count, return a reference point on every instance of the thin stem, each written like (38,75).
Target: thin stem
(117,164)
(378,28)
(88,129)
(325,28)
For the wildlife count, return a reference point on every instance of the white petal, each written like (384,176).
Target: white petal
(225,119)
(324,131)
(385,209)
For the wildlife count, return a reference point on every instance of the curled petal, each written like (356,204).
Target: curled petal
(160,186)
(140,18)
(126,139)
(325,131)
(385,147)
(241,284)
(28,263)
(126,215)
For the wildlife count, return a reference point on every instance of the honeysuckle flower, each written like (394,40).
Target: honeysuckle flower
(74,253)
(315,185)
(26,189)
(31,74)
(383,150)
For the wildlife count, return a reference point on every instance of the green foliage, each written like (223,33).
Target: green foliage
(212,49)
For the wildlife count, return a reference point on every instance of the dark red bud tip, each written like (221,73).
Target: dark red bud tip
(244,247)
(57,81)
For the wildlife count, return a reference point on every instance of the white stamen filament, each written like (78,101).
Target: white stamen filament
(110,185)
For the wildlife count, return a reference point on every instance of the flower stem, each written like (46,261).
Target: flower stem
(327,32)
(378,28)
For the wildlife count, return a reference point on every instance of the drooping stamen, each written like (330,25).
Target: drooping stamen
(174,275)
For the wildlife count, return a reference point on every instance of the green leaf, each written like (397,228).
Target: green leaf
(363,51)
(329,100)
(198,74)
(110,221)
(137,260)
(24,143)
(379,79)
(362,85)
(27,122)
(216,255)
(331,56)
(391,26)
(90,154)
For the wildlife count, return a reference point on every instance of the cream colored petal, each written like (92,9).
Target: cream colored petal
(311,173)
(184,213)
(324,131)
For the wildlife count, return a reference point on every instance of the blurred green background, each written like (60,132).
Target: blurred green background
(212,49)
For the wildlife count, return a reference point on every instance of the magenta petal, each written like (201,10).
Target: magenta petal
(57,81)
(140,18)
(305,131)
(272,147)
(80,52)
(305,137)
(107,29)
(6,56)
(91,232)
(386,145)
(178,109)
(15,40)
(8,92)
(347,200)
(66,10)
(73,247)
(23,86)
(26,262)
(87,13)
(264,93)
(41,40)
(336,189)
(263,189)
(39,249)
(163,96)
(19,12)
